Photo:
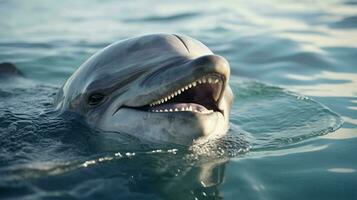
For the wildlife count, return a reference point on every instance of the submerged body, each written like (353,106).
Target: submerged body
(9,70)
(158,87)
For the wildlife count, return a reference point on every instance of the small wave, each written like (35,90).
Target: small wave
(275,118)
(231,145)
(175,17)
(345,23)
(353,3)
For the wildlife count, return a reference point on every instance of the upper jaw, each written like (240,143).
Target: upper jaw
(215,79)
(201,95)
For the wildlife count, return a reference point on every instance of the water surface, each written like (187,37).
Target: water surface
(293,124)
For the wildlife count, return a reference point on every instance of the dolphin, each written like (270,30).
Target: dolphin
(9,70)
(159,87)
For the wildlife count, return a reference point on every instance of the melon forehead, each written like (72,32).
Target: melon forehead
(130,58)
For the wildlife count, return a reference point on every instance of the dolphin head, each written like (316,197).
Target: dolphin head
(159,87)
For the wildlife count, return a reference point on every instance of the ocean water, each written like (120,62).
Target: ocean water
(293,126)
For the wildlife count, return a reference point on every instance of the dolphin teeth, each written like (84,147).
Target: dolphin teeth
(205,79)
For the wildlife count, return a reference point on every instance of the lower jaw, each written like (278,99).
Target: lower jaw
(181,107)
(173,127)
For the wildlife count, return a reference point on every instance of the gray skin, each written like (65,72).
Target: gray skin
(8,70)
(138,71)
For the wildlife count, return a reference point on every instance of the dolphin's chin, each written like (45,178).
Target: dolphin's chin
(173,127)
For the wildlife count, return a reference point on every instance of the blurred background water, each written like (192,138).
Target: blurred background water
(294,75)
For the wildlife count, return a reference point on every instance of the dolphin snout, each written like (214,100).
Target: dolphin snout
(212,64)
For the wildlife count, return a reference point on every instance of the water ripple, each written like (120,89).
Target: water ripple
(164,18)
(345,23)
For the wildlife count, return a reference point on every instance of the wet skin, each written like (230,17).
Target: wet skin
(160,87)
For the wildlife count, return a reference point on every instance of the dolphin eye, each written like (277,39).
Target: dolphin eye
(95,99)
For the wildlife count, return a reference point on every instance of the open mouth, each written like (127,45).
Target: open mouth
(200,96)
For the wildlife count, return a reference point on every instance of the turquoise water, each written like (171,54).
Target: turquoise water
(293,129)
